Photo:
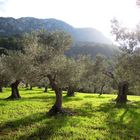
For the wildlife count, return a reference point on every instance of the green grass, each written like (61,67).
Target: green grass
(95,117)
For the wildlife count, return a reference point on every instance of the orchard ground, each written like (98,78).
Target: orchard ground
(94,117)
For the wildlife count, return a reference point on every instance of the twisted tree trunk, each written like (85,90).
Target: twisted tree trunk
(57,107)
(15,92)
(122,94)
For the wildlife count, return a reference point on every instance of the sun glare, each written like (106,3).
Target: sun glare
(85,13)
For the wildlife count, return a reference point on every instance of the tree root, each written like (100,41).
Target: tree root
(55,111)
(13,98)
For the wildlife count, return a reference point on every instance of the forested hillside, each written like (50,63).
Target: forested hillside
(11,26)
(92,49)
(85,40)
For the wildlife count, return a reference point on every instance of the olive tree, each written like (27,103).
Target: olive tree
(15,65)
(44,82)
(122,70)
(52,63)
(18,64)
(86,81)
(77,70)
(93,78)
(100,81)
(3,75)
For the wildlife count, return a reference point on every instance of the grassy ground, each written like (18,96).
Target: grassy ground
(95,117)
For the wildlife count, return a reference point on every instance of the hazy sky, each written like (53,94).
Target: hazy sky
(78,13)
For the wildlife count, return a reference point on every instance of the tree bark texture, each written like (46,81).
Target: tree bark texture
(57,107)
(15,92)
(122,92)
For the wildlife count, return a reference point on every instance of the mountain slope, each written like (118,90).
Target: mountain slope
(92,49)
(11,26)
(90,34)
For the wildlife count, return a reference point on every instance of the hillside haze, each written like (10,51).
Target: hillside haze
(11,26)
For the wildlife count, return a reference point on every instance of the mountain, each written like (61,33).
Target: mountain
(11,26)
(92,49)
(86,40)
(91,35)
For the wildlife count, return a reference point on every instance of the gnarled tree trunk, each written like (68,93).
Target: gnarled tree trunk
(46,89)
(122,94)
(70,92)
(15,91)
(57,107)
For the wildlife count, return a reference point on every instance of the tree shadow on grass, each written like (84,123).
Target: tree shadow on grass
(48,130)
(23,121)
(22,95)
(123,121)
(3,104)
(45,130)
(86,110)
(96,96)
(49,98)
(34,92)
(31,98)
(43,98)
(67,99)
